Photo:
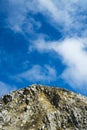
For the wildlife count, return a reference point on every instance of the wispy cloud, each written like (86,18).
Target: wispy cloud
(67,14)
(5,88)
(18,18)
(38,74)
(73,54)
(71,17)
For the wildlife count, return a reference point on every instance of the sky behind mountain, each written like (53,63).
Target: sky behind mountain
(43,42)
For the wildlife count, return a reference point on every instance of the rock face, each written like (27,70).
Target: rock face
(43,108)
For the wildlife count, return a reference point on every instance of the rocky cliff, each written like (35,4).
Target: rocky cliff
(43,108)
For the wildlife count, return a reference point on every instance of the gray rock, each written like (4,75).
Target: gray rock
(41,107)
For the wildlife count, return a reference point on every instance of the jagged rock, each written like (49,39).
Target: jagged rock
(43,108)
(7,98)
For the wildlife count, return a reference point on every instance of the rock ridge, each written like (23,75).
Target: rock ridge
(39,107)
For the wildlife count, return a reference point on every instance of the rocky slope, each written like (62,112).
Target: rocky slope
(43,108)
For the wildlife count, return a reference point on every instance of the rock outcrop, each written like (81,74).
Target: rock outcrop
(43,108)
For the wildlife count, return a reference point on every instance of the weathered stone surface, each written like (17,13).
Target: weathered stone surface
(43,108)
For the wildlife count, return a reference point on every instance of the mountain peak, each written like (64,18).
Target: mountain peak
(39,107)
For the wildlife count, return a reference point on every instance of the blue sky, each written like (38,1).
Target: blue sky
(43,42)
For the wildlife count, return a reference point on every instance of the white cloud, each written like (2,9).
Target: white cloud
(17,15)
(5,88)
(68,14)
(74,55)
(39,74)
(72,16)
(55,10)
